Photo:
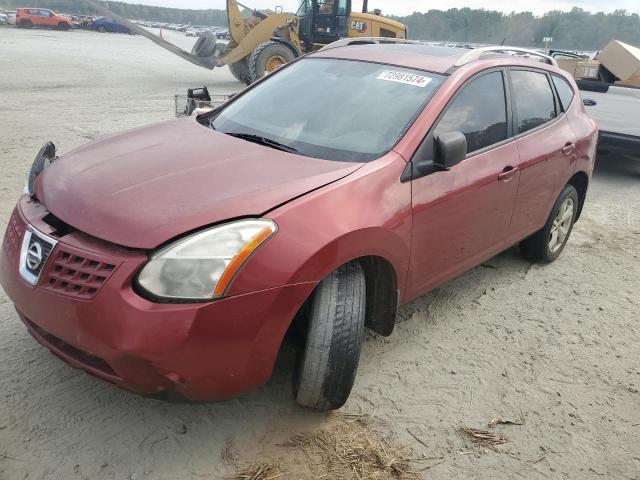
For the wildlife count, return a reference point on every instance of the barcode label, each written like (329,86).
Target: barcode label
(406,78)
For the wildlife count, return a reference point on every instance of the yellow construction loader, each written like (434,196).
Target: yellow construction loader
(264,41)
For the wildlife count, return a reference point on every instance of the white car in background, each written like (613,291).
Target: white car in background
(11,18)
(614,107)
(616,110)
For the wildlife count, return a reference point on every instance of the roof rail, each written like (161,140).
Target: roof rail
(469,56)
(345,42)
(476,53)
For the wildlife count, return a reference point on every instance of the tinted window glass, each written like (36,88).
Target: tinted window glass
(479,111)
(534,100)
(331,109)
(565,92)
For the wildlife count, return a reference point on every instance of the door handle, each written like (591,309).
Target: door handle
(569,148)
(507,174)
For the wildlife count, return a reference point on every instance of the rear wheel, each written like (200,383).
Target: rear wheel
(547,244)
(240,70)
(268,57)
(63,26)
(25,24)
(328,365)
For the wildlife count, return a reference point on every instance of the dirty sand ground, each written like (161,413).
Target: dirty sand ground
(557,346)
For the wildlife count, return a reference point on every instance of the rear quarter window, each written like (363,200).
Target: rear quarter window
(565,92)
(534,100)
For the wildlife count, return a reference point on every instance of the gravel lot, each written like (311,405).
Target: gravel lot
(555,347)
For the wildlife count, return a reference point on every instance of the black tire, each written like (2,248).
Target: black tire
(102,29)
(537,246)
(240,70)
(328,365)
(25,24)
(63,26)
(263,53)
(205,46)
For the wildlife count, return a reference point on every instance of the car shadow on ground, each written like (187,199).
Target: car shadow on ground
(613,166)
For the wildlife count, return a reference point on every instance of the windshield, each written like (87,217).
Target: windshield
(331,109)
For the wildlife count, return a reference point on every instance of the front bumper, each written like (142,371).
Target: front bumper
(202,352)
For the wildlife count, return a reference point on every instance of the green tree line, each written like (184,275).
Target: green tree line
(576,29)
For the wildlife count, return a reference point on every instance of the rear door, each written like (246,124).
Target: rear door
(546,147)
(461,216)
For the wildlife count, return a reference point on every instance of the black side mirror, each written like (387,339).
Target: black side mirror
(450,148)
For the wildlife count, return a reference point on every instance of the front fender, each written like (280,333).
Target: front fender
(367,213)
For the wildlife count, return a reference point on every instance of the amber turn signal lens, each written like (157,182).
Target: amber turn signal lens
(238,261)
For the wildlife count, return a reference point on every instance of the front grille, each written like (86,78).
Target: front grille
(13,236)
(76,274)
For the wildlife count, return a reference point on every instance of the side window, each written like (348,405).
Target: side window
(479,111)
(325,7)
(342,7)
(534,100)
(565,92)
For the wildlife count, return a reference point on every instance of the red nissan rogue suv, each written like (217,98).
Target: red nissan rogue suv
(172,260)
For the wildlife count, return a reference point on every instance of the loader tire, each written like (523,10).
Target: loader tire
(205,46)
(267,58)
(240,70)
(328,365)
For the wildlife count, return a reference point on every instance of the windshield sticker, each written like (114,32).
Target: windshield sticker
(406,78)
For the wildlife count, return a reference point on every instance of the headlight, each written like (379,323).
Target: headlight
(202,266)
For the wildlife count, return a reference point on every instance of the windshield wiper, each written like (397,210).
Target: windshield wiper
(268,142)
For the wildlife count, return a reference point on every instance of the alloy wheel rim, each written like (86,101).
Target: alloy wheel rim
(561,225)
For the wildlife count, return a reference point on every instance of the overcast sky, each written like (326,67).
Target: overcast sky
(405,7)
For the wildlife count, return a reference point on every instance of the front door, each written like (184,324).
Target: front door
(47,18)
(461,216)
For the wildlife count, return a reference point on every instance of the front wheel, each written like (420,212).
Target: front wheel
(102,29)
(328,365)
(268,57)
(63,26)
(547,243)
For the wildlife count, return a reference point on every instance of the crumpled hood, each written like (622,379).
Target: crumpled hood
(143,187)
